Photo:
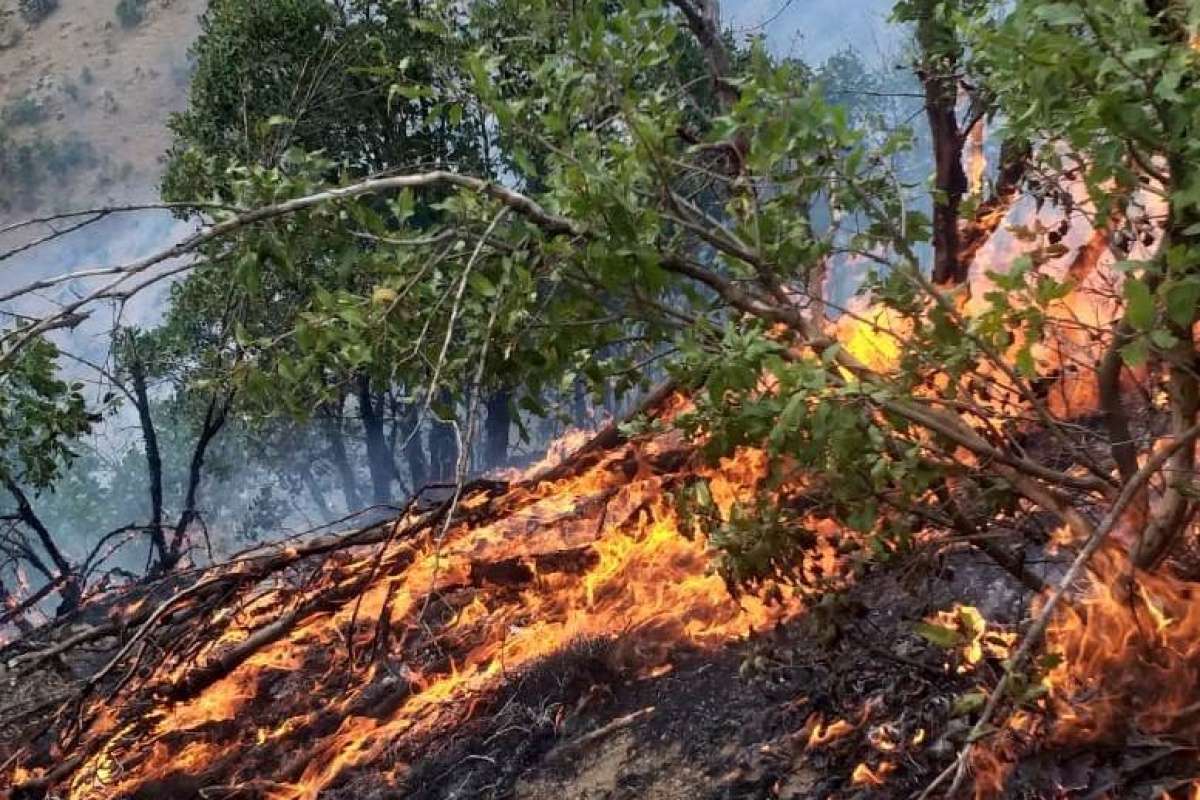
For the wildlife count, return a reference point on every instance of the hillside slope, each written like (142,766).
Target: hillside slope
(84,101)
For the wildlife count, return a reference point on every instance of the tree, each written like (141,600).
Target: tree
(350,80)
(1112,110)
(169,353)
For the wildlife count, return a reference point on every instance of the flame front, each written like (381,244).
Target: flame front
(1124,667)
(1130,657)
(448,619)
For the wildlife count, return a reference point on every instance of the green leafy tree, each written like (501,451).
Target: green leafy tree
(41,418)
(352,81)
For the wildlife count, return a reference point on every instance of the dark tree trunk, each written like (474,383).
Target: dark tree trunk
(154,471)
(579,405)
(937,70)
(443,446)
(407,420)
(950,183)
(314,490)
(379,454)
(214,419)
(1176,509)
(341,461)
(496,429)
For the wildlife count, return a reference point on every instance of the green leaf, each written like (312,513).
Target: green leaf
(1182,297)
(946,638)
(481,285)
(1144,54)
(1136,352)
(1030,693)
(1163,339)
(1049,661)
(967,703)
(1139,305)
(1025,363)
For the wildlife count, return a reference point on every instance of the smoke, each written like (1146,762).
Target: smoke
(814,30)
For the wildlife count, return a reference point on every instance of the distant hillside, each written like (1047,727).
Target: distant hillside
(84,98)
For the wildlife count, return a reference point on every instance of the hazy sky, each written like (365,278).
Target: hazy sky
(814,29)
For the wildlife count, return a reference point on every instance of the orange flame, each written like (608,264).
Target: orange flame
(596,554)
(863,775)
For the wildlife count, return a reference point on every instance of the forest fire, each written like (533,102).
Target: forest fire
(1122,669)
(333,667)
(1130,658)
(927,519)
(338,665)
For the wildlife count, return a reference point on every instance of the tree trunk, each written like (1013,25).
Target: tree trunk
(414,451)
(497,427)
(154,470)
(443,446)
(314,490)
(379,454)
(214,419)
(579,405)
(939,63)
(1176,510)
(406,418)
(1174,513)
(71,592)
(341,461)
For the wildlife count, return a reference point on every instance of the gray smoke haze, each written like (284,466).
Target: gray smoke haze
(814,30)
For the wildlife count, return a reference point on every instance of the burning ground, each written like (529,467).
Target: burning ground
(557,635)
(562,634)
